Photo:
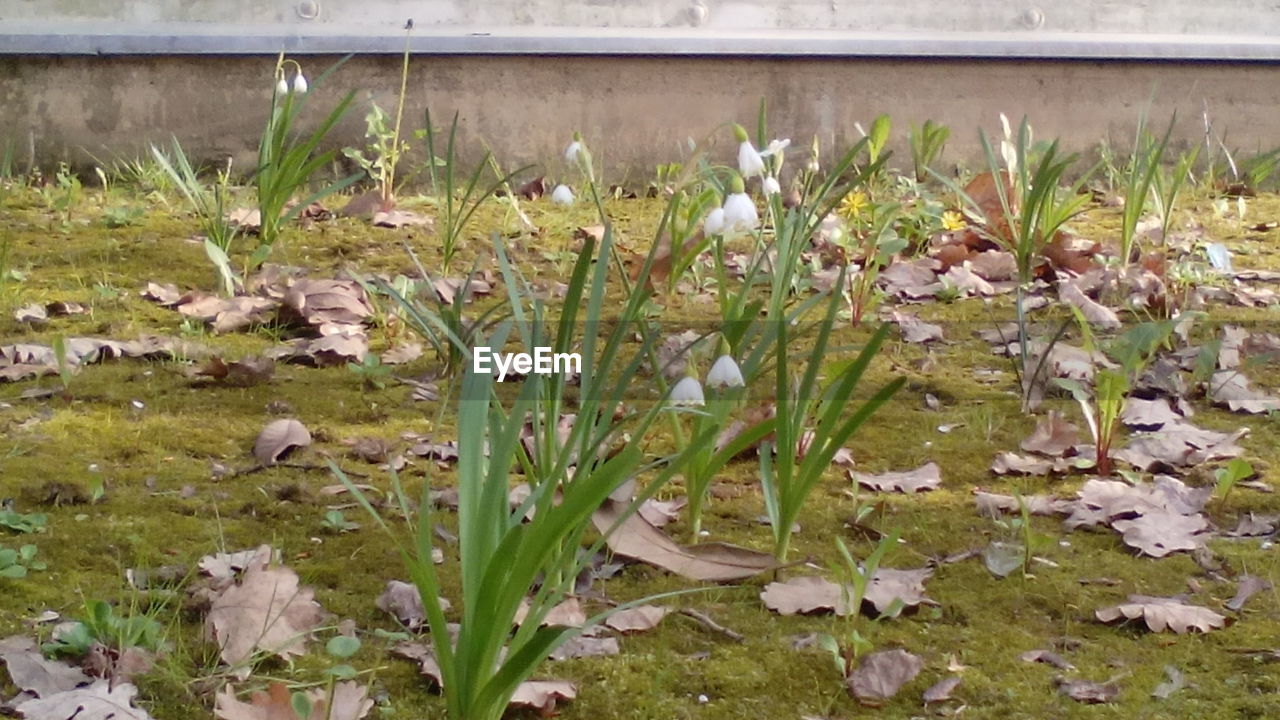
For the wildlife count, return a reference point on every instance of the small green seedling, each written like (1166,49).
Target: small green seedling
(371,371)
(101,624)
(335,522)
(1228,476)
(342,647)
(854,581)
(15,564)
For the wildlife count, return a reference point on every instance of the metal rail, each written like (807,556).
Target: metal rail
(184,38)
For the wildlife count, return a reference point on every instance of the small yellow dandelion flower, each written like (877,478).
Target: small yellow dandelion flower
(853,206)
(953,220)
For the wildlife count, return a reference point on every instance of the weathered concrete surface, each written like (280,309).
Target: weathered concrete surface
(635,112)
(1111,16)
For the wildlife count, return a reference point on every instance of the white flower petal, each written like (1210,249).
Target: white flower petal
(725,373)
(687,392)
(562,195)
(714,222)
(749,161)
(740,213)
(282,87)
(571,152)
(770,186)
(775,146)
(299,83)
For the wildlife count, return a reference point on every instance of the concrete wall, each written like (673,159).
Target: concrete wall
(635,112)
(1080,16)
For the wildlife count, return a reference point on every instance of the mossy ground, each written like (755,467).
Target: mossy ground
(148,456)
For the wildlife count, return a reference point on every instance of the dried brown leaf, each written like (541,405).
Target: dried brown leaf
(1247,587)
(1160,533)
(542,695)
(637,619)
(923,478)
(35,675)
(1088,692)
(636,538)
(1163,613)
(882,674)
(278,438)
(266,611)
(941,690)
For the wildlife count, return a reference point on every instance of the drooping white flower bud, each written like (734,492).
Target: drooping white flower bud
(562,195)
(739,210)
(770,186)
(749,161)
(574,149)
(725,373)
(299,83)
(714,222)
(687,393)
(282,87)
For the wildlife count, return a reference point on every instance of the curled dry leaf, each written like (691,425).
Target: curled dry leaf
(637,619)
(1148,414)
(99,701)
(923,478)
(542,695)
(915,330)
(882,674)
(992,504)
(1179,445)
(402,601)
(941,690)
(320,301)
(1163,613)
(424,656)
(661,513)
(1095,313)
(637,539)
(278,438)
(266,611)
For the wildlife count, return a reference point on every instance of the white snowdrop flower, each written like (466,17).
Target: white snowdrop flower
(714,222)
(750,163)
(282,87)
(574,149)
(739,210)
(813,165)
(725,373)
(562,195)
(770,186)
(775,146)
(299,83)
(687,392)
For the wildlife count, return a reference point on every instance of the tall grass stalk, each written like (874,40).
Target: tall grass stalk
(1140,178)
(210,205)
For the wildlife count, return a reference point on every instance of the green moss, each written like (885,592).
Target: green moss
(163,505)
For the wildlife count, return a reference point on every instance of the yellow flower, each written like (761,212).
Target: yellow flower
(853,206)
(953,220)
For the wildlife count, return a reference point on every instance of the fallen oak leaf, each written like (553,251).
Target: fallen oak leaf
(1158,534)
(266,611)
(1048,657)
(542,695)
(1247,587)
(99,701)
(35,675)
(1163,613)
